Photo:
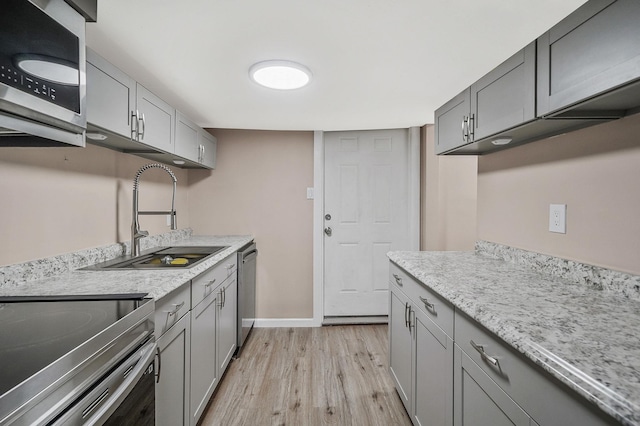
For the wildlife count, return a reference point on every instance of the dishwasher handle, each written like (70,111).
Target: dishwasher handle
(250,255)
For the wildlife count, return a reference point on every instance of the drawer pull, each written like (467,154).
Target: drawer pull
(426,303)
(177,307)
(210,283)
(398,280)
(480,348)
(233,265)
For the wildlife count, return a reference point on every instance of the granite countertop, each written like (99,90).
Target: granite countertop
(586,337)
(156,283)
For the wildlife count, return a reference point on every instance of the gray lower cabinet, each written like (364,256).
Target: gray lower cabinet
(227,320)
(173,381)
(400,346)
(479,401)
(593,50)
(449,370)
(420,353)
(433,388)
(204,374)
(503,99)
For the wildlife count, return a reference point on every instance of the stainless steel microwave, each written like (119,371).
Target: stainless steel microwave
(42,73)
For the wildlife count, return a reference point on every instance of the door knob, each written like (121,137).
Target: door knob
(328,231)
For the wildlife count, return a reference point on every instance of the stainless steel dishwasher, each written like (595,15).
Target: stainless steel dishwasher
(247,257)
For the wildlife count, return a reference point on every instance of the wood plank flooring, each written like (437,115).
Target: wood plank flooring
(335,375)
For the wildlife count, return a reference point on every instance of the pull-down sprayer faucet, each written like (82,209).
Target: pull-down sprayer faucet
(136,233)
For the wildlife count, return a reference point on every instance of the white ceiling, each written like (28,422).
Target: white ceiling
(375,63)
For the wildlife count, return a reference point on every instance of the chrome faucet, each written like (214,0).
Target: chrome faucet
(136,233)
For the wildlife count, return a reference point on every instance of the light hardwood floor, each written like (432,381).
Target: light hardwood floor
(335,375)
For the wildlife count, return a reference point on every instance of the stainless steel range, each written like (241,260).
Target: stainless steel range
(77,360)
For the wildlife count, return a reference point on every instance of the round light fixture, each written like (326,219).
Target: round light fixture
(96,136)
(281,75)
(178,162)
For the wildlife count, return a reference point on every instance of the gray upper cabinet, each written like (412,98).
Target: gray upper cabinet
(209,145)
(450,123)
(194,143)
(592,51)
(505,97)
(502,99)
(155,120)
(111,95)
(129,118)
(187,143)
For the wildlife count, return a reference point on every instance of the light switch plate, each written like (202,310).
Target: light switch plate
(558,218)
(309,193)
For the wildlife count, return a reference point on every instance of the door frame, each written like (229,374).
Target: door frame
(413,164)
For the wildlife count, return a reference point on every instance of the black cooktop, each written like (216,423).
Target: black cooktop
(36,331)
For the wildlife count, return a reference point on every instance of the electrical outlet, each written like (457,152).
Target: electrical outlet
(168,220)
(558,218)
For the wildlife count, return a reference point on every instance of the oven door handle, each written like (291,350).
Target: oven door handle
(103,400)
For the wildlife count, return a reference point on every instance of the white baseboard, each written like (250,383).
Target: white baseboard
(286,322)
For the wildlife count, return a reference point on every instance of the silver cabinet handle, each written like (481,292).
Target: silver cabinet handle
(141,134)
(411,323)
(470,130)
(426,303)
(177,307)
(398,280)
(224,296)
(480,348)
(202,159)
(230,267)
(464,129)
(134,127)
(159,356)
(210,283)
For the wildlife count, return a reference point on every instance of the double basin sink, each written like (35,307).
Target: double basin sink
(161,258)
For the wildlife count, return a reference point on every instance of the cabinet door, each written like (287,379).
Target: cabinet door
(172,388)
(478,400)
(227,321)
(505,97)
(594,49)
(433,390)
(156,119)
(400,345)
(187,138)
(204,374)
(111,95)
(209,144)
(450,127)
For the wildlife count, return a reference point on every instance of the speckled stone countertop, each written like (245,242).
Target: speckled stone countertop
(585,336)
(55,276)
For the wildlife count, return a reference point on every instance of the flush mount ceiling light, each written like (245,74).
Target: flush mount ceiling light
(282,75)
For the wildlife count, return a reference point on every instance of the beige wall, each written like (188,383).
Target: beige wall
(59,200)
(448,193)
(594,171)
(259,188)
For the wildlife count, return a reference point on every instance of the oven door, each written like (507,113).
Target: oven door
(125,396)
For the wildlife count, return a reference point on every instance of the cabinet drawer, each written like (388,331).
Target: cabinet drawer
(436,308)
(171,308)
(208,281)
(529,386)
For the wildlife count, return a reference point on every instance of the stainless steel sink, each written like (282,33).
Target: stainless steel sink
(180,257)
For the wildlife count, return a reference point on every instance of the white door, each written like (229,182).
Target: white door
(366,214)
